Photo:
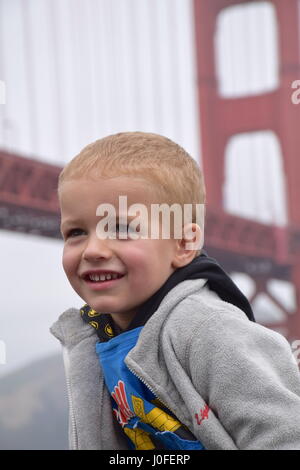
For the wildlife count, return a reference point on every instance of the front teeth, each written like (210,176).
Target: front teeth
(102,277)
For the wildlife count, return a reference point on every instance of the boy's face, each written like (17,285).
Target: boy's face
(144,263)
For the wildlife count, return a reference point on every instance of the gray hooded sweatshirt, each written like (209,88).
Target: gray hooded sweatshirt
(234,383)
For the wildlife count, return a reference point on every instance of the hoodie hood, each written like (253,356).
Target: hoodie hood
(202,267)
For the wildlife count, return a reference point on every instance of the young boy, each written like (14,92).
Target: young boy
(165,353)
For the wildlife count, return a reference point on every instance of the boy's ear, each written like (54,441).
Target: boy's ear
(187,246)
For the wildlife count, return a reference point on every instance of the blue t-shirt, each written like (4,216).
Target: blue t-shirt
(146,421)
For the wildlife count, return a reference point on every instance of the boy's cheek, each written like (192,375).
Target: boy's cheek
(67,262)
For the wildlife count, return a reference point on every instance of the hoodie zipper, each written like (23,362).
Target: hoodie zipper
(71,409)
(153,391)
(156,395)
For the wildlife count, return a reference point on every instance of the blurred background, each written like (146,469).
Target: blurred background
(218,77)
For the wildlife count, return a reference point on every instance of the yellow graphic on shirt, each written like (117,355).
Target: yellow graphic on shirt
(159,404)
(94,324)
(139,408)
(140,439)
(156,418)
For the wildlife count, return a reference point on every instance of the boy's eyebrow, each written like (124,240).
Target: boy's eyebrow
(68,222)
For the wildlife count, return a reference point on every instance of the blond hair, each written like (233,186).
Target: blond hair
(175,175)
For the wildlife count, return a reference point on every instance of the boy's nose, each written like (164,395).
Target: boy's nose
(96,248)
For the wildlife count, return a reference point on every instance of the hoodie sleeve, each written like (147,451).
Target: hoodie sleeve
(250,379)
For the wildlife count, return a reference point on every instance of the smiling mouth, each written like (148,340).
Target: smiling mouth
(102,278)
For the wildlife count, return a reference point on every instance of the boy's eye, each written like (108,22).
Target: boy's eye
(122,228)
(119,229)
(75,232)
(71,233)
